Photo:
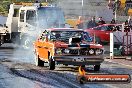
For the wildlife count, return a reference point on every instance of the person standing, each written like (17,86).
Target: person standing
(130,21)
(113,21)
(116,5)
(79,23)
(92,23)
(101,21)
(110,4)
(126,26)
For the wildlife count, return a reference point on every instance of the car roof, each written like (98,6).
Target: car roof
(64,29)
(106,25)
(110,24)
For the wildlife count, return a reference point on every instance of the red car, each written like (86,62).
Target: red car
(102,32)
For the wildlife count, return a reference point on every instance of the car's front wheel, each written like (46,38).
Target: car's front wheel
(96,67)
(39,62)
(51,63)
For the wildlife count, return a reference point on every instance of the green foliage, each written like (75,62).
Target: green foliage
(1,9)
(3,6)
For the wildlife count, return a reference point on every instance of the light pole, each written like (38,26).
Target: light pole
(116,10)
(82,8)
(82,13)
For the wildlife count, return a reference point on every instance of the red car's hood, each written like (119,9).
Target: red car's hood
(84,44)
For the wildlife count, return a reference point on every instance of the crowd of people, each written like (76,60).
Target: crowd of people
(114,5)
(93,23)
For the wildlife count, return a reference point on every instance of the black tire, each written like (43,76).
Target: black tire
(1,40)
(39,62)
(96,67)
(51,64)
(0,43)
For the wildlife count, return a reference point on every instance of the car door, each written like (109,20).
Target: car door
(97,31)
(105,33)
(91,31)
(94,31)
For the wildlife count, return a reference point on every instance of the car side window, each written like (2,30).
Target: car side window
(110,27)
(104,28)
(97,28)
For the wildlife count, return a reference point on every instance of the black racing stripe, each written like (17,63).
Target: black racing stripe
(75,45)
(88,46)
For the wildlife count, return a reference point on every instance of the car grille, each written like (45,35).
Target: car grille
(79,51)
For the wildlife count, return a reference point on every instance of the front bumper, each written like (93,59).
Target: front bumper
(79,60)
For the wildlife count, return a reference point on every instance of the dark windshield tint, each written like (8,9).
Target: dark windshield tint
(50,17)
(65,35)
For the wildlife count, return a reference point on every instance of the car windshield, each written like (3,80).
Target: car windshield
(50,17)
(105,28)
(65,35)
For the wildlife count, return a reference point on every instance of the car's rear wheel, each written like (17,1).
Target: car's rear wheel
(96,67)
(1,40)
(51,63)
(39,62)
(0,43)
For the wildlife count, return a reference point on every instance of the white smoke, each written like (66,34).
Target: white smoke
(25,50)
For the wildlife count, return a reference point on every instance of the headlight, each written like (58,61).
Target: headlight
(98,51)
(91,51)
(58,51)
(66,51)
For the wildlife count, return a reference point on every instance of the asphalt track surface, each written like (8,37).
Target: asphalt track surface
(17,70)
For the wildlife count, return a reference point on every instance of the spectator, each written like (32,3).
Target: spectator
(126,26)
(117,4)
(92,23)
(101,21)
(110,4)
(80,23)
(113,21)
(130,21)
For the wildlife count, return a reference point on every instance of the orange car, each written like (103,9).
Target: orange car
(67,46)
